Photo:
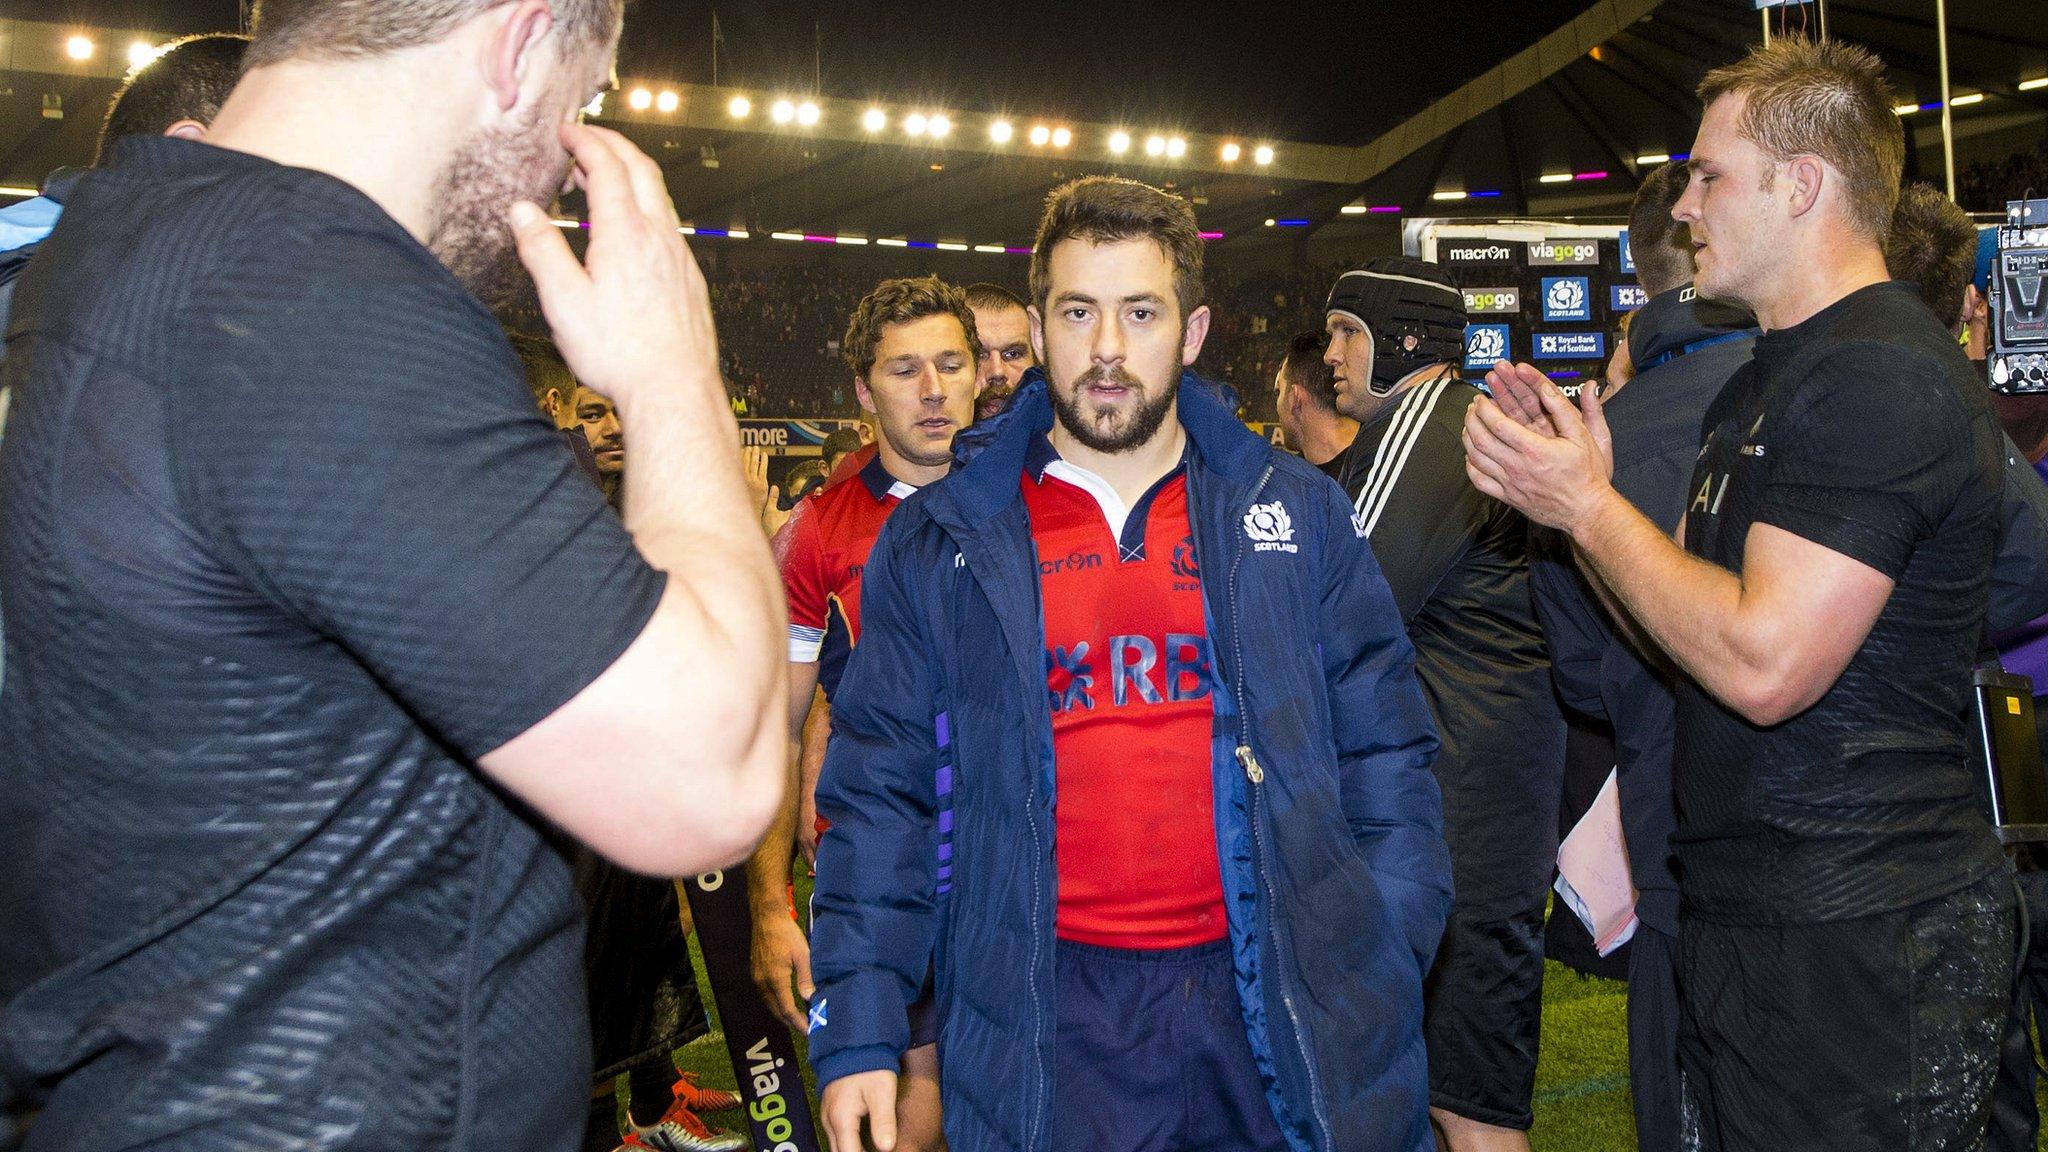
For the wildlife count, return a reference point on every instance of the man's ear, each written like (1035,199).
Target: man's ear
(1809,174)
(511,50)
(187,129)
(1196,331)
(1037,332)
(862,393)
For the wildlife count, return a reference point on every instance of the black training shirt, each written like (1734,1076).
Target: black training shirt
(285,546)
(1865,431)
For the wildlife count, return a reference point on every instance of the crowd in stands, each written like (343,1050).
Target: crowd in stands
(1987,185)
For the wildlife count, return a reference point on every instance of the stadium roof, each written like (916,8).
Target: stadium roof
(1361,109)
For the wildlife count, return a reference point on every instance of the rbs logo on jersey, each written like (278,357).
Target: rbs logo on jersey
(1134,669)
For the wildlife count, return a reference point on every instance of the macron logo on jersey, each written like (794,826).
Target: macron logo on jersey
(1270,528)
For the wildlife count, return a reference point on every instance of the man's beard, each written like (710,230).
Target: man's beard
(1120,433)
(491,170)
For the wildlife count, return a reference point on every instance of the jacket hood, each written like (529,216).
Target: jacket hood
(1674,319)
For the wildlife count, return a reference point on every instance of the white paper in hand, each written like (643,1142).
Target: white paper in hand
(1592,872)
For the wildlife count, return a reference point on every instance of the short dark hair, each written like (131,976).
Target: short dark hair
(546,371)
(1933,244)
(992,297)
(1660,246)
(840,442)
(1108,209)
(1305,370)
(355,29)
(1826,98)
(188,80)
(900,301)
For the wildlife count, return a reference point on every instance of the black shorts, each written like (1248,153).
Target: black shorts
(1150,1054)
(1877,1032)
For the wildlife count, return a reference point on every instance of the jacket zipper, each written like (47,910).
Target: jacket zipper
(1256,775)
(1037,875)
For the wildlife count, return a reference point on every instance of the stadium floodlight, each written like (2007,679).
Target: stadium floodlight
(1963,101)
(738,107)
(1555,178)
(640,100)
(938,126)
(807,114)
(78,48)
(1061,137)
(1654,158)
(1001,131)
(667,102)
(893,242)
(140,54)
(1040,134)
(874,120)
(1119,142)
(1905,109)
(914,124)
(797,236)
(1263,155)
(1155,146)
(947,246)
(1353,210)
(1453,195)
(996,248)
(1231,152)
(782,111)
(1176,148)
(2036,83)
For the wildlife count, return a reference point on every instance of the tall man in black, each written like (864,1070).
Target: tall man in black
(1684,350)
(1458,564)
(286,691)
(1847,930)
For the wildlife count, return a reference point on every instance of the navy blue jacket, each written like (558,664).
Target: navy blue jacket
(939,785)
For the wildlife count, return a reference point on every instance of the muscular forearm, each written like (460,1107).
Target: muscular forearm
(1692,610)
(688,509)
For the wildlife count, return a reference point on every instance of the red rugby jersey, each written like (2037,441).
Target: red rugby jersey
(821,552)
(1128,675)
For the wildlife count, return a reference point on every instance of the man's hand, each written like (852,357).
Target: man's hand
(767,497)
(1554,479)
(1517,394)
(634,316)
(865,1094)
(780,954)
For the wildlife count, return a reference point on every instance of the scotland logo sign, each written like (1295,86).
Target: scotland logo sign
(1484,344)
(1567,299)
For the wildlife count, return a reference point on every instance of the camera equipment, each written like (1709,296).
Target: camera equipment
(2018,360)
(2010,756)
